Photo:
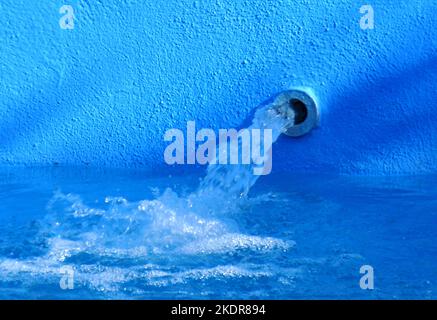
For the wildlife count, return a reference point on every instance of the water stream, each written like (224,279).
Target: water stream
(124,247)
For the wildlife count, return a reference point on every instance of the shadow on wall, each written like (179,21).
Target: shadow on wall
(21,121)
(42,115)
(387,110)
(386,125)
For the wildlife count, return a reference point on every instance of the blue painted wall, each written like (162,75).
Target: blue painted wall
(104,93)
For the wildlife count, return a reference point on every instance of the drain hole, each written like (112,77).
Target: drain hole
(300,111)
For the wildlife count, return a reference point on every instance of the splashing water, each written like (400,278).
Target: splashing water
(122,247)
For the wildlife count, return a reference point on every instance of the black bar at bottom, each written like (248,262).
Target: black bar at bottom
(212,309)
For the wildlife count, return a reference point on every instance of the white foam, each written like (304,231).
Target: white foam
(232,242)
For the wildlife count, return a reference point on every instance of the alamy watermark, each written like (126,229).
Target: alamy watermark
(367,281)
(246,146)
(67,20)
(67,278)
(367,21)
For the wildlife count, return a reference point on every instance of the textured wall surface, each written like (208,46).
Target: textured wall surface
(104,93)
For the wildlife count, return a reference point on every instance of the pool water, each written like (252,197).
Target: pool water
(132,234)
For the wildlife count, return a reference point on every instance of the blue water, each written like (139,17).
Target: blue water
(138,235)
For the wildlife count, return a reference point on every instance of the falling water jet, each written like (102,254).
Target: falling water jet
(292,112)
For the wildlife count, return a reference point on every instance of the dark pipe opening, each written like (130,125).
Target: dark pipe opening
(300,111)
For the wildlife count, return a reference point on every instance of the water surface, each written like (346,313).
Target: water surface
(136,235)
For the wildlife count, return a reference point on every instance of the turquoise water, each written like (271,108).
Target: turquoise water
(137,235)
